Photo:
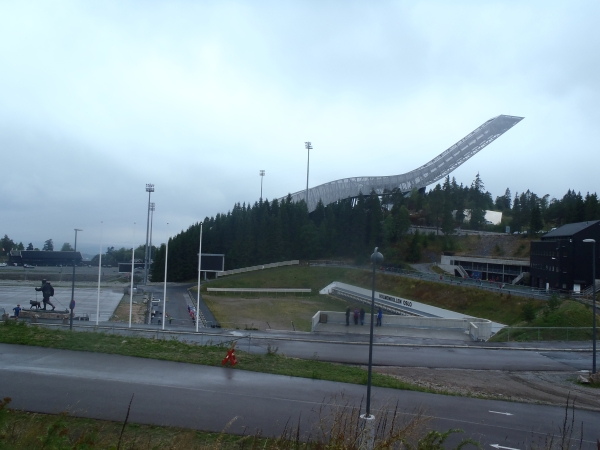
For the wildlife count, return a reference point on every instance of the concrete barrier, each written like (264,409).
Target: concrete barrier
(259,267)
(261,290)
(478,329)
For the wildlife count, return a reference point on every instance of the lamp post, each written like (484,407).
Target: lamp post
(72,304)
(149,190)
(369,419)
(262,175)
(308,147)
(593,242)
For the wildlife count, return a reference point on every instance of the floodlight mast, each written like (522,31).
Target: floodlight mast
(308,147)
(149,190)
(262,175)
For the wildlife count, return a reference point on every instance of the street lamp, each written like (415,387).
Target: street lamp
(262,175)
(164,309)
(149,190)
(72,304)
(369,430)
(308,147)
(593,242)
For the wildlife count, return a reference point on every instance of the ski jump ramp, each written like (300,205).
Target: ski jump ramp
(427,174)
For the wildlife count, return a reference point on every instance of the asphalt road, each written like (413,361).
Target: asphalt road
(208,398)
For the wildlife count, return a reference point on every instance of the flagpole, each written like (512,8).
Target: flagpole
(199,273)
(165,284)
(132,271)
(99,275)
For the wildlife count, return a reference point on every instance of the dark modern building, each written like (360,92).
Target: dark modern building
(43,258)
(561,260)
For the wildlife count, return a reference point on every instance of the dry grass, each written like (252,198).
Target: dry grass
(138,310)
(278,313)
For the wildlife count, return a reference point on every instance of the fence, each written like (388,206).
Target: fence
(524,334)
(260,267)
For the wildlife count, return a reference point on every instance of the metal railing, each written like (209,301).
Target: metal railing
(259,267)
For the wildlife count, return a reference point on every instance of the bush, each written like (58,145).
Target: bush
(528,311)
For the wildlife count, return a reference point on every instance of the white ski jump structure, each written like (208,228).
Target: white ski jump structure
(427,174)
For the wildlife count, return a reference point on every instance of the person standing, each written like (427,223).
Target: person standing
(356,314)
(17,311)
(379,317)
(347,316)
(362,316)
(47,292)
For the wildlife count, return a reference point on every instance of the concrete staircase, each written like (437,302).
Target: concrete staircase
(518,279)
(590,290)
(463,273)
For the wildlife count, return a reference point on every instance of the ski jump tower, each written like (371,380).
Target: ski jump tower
(427,174)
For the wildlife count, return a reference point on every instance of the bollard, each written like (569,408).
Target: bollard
(367,433)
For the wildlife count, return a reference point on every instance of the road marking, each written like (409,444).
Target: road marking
(499,446)
(506,414)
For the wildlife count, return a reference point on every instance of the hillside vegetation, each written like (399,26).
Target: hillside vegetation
(474,302)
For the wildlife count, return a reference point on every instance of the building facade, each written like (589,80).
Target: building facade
(43,258)
(503,270)
(561,260)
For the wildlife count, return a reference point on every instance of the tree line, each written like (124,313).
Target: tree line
(271,231)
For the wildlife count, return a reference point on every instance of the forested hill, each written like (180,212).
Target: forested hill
(272,231)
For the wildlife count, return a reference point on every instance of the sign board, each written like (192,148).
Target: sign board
(126,267)
(212,262)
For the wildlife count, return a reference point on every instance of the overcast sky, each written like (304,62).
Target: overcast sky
(99,98)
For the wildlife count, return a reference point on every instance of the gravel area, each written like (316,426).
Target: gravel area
(531,387)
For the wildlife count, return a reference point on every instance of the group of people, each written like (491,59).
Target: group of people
(359,314)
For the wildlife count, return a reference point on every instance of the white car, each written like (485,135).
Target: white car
(3,264)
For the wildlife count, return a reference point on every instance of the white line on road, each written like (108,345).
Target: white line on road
(498,412)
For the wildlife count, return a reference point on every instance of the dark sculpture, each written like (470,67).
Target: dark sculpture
(47,292)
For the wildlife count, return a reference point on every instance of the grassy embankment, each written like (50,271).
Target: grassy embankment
(208,355)
(474,302)
(563,314)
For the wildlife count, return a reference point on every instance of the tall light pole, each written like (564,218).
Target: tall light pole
(308,147)
(199,272)
(149,190)
(72,304)
(152,208)
(593,242)
(369,419)
(262,175)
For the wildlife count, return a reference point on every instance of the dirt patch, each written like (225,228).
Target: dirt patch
(138,310)
(550,388)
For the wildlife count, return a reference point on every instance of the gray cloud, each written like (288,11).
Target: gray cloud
(99,98)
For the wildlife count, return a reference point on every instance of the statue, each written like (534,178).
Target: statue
(47,292)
